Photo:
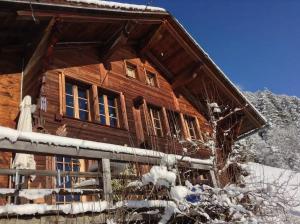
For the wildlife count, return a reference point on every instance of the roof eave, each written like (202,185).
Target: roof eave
(261,119)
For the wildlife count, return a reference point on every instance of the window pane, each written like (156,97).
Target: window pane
(83,115)
(101,98)
(69,101)
(150,79)
(111,101)
(69,197)
(59,166)
(112,112)
(159,132)
(82,93)
(102,119)
(131,71)
(60,198)
(83,104)
(70,111)
(113,122)
(69,88)
(76,168)
(101,109)
(76,197)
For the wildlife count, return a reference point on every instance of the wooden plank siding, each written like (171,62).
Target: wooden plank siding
(10,76)
(83,65)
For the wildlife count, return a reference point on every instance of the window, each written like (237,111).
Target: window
(108,109)
(77,101)
(131,70)
(151,79)
(155,116)
(174,123)
(67,164)
(191,126)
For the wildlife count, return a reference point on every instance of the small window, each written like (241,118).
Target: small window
(174,123)
(191,127)
(131,70)
(77,100)
(108,109)
(155,115)
(67,164)
(151,79)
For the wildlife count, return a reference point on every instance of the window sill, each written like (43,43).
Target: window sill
(65,117)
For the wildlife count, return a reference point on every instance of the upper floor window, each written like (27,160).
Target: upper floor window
(155,116)
(67,164)
(131,70)
(77,101)
(174,123)
(151,79)
(191,126)
(108,109)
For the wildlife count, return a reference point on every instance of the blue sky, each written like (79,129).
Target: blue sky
(255,42)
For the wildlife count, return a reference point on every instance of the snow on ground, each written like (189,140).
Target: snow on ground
(284,185)
(121,6)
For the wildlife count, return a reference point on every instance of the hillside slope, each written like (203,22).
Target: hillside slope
(277,145)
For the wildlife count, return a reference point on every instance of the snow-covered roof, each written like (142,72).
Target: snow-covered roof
(15,135)
(221,72)
(119,6)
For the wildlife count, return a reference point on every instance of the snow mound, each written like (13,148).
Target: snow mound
(159,175)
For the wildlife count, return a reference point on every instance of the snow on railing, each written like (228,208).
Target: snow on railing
(13,136)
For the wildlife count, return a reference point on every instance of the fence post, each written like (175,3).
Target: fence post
(107,188)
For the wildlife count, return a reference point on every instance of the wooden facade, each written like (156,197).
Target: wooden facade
(114,76)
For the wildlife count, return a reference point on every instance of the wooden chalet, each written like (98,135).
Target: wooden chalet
(122,74)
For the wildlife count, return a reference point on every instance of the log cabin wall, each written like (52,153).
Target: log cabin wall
(10,74)
(82,64)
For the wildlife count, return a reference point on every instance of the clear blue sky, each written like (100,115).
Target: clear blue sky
(255,42)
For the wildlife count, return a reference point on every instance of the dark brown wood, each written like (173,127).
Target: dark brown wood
(186,77)
(118,40)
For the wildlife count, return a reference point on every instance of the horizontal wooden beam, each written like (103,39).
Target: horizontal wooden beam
(182,42)
(45,149)
(152,38)
(225,89)
(48,173)
(54,173)
(40,50)
(184,78)
(22,146)
(159,65)
(117,40)
(80,18)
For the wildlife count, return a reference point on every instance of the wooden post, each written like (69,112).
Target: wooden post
(107,187)
(166,122)
(198,128)
(124,113)
(62,90)
(138,126)
(213,178)
(95,102)
(183,125)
